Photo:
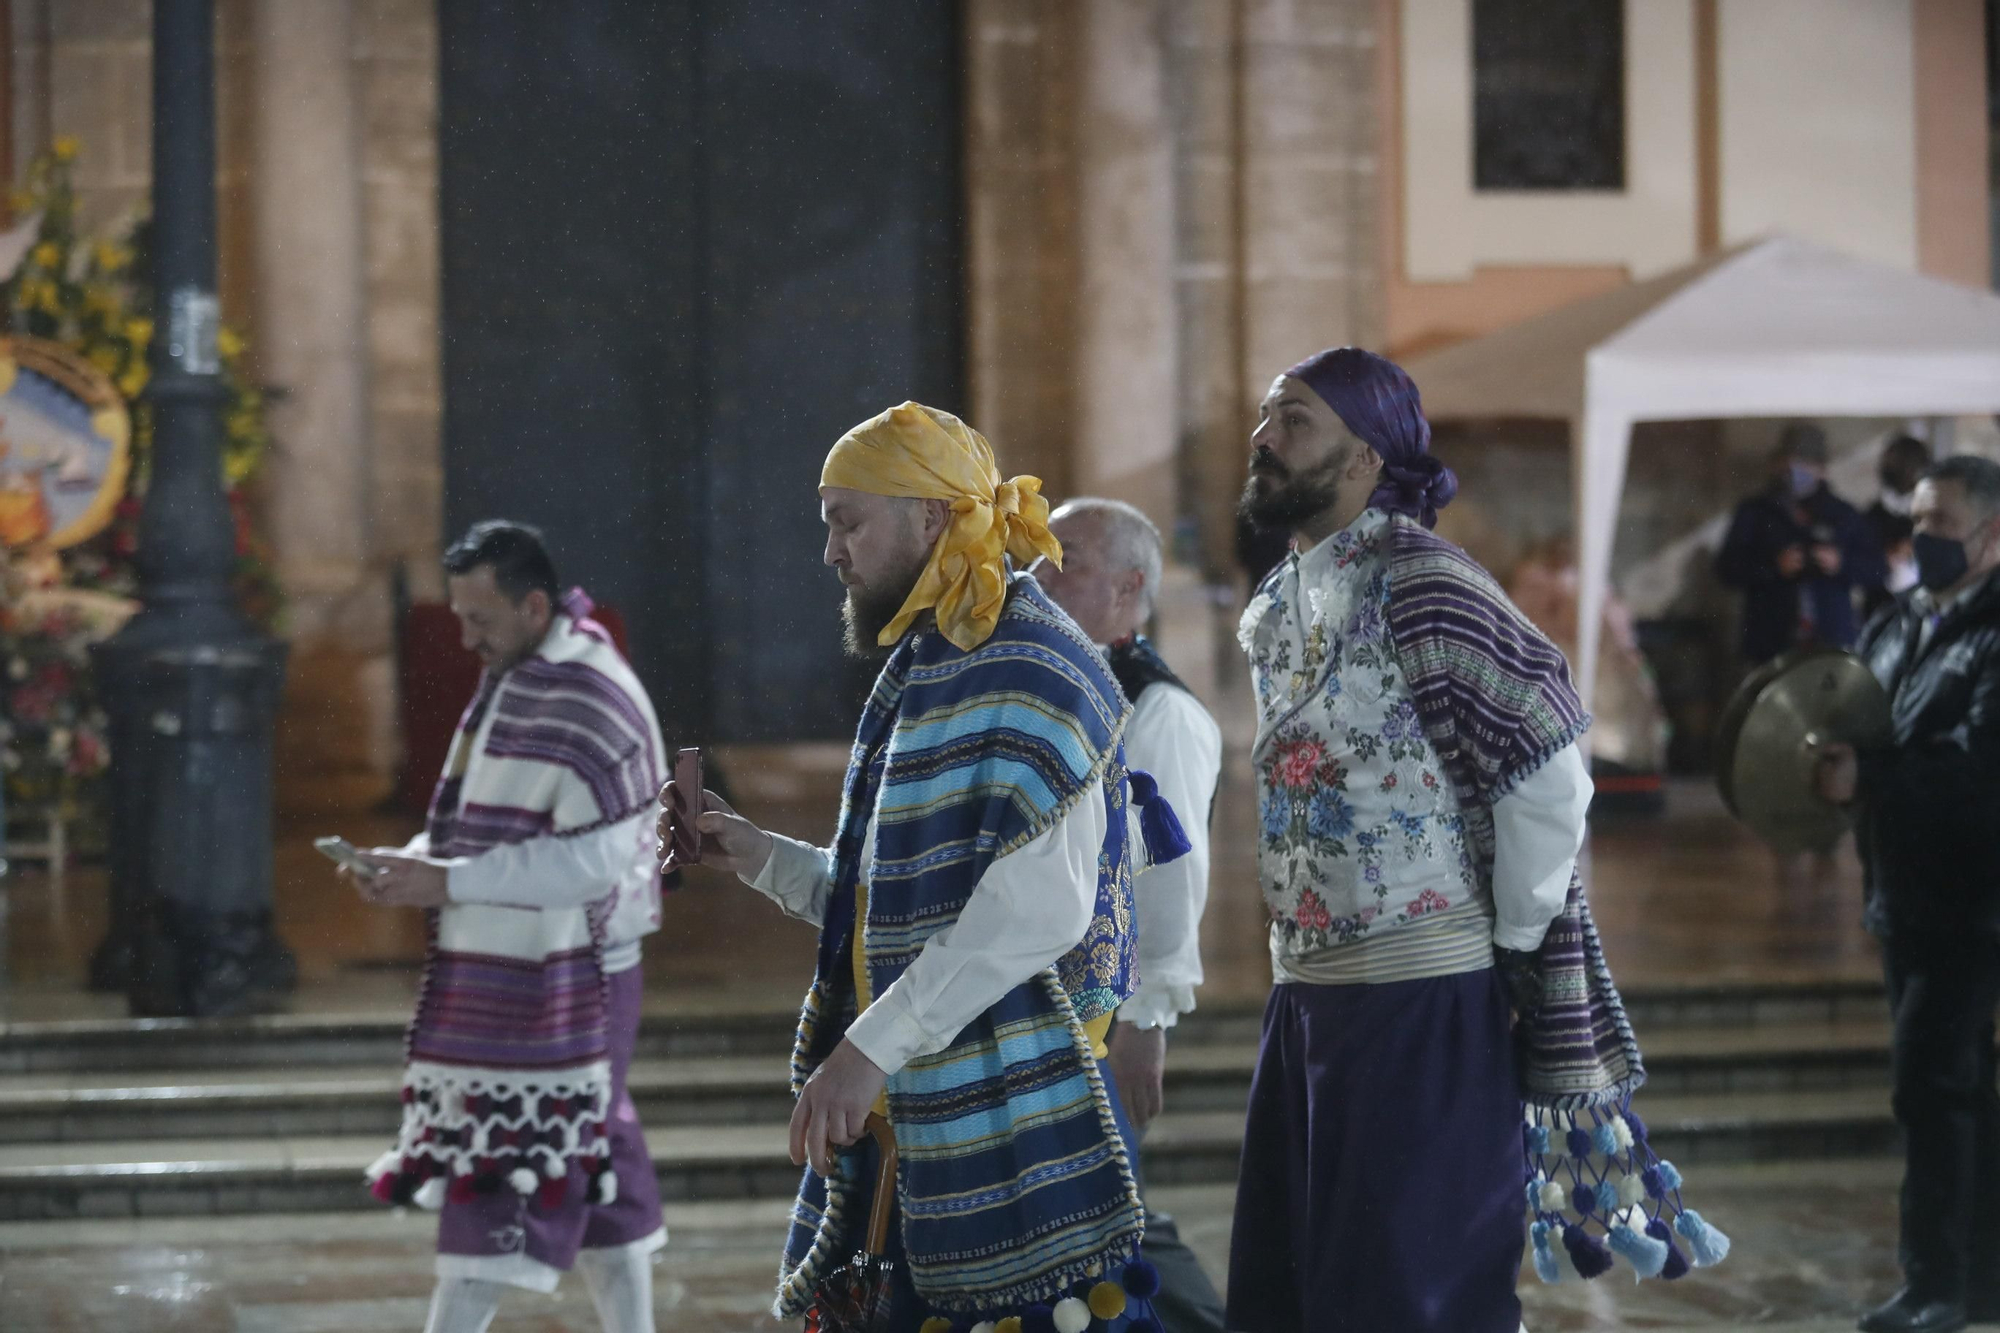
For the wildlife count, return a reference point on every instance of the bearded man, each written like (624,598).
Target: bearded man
(536,868)
(1421,802)
(975,907)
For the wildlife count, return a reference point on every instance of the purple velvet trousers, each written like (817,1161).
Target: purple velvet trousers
(1381,1179)
(504,1222)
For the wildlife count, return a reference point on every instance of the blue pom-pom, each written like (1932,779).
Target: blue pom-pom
(1668,1176)
(1583,1198)
(1677,1264)
(1534,1196)
(1604,1140)
(1579,1143)
(1546,1267)
(1587,1252)
(1636,1125)
(1142,1280)
(1158,825)
(1038,1318)
(1607,1197)
(1646,1254)
(1536,1138)
(1655,1182)
(1708,1246)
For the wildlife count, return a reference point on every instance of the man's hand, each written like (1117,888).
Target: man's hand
(1791,562)
(1138,1059)
(1827,558)
(729,842)
(403,881)
(1838,776)
(833,1106)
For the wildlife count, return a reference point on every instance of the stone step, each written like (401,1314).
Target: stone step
(670,1030)
(166,1177)
(1202,1075)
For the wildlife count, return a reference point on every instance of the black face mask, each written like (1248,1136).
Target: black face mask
(1941,561)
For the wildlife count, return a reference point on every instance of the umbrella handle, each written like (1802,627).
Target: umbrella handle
(885,1183)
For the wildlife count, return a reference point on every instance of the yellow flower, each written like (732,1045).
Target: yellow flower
(50,298)
(133,380)
(48,254)
(229,343)
(236,467)
(112,256)
(105,359)
(21,201)
(139,330)
(101,301)
(66,148)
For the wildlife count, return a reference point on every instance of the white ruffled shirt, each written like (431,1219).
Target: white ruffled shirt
(1171,736)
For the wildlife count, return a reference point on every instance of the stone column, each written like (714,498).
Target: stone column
(310,317)
(1127,405)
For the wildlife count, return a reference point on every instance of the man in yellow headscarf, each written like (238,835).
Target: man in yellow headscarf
(979,888)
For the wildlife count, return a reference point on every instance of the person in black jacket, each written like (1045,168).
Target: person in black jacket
(1904,461)
(1929,805)
(1798,551)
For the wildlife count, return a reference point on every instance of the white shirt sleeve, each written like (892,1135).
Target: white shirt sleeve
(1172,737)
(571,870)
(798,877)
(1538,830)
(1030,908)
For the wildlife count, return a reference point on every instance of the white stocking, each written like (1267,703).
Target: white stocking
(463,1305)
(621,1286)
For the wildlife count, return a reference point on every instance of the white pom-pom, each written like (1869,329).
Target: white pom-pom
(430,1194)
(383,1165)
(607,1188)
(983,1326)
(555,1168)
(1630,1191)
(1621,1133)
(1552,1197)
(523,1180)
(1072,1315)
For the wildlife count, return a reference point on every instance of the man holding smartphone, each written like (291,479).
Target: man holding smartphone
(536,864)
(975,908)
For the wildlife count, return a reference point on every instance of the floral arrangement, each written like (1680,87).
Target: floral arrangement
(94,296)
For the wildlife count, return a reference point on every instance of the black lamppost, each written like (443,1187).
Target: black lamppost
(190,686)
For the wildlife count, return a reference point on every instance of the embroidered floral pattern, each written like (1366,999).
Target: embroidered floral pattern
(1356,833)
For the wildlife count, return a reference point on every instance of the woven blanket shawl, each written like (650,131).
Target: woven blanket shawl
(508,1069)
(1012,1177)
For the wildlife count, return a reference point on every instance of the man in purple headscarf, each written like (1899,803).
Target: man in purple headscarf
(1421,806)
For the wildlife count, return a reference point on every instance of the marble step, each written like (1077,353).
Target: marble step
(670,1030)
(1203,1075)
(169,1177)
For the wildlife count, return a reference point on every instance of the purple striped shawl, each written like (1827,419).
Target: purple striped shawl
(1496,701)
(508,1049)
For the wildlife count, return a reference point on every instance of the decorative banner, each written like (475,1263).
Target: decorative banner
(65,445)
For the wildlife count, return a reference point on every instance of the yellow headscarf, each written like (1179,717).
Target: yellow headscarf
(921,453)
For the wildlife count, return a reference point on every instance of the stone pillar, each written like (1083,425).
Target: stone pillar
(309,322)
(1127,408)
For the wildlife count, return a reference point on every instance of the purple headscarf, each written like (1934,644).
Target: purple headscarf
(1379,403)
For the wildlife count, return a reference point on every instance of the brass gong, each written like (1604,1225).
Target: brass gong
(1767,747)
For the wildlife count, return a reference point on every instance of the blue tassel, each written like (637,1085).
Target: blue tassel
(1546,1267)
(1534,1196)
(1646,1254)
(1165,839)
(1677,1264)
(1579,1143)
(1587,1252)
(1668,1176)
(1708,1246)
(1537,1139)
(1606,1142)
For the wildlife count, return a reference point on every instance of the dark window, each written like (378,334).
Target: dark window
(1548,94)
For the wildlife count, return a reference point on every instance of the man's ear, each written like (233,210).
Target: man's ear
(1367,463)
(538,606)
(937,517)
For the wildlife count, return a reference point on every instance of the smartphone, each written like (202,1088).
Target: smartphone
(684,845)
(344,853)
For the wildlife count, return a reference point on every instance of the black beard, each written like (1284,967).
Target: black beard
(868,611)
(1298,498)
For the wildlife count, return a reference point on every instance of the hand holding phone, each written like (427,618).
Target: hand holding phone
(683,802)
(348,857)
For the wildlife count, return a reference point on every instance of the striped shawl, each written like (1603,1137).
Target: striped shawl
(1013,1181)
(508,1067)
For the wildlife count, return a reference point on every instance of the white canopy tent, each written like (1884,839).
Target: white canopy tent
(1778,327)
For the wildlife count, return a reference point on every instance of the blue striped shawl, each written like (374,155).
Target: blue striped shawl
(1012,1178)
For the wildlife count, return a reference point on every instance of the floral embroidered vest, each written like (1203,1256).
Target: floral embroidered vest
(1360,830)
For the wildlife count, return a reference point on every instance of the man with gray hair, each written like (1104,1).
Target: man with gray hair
(1928,802)
(1109,583)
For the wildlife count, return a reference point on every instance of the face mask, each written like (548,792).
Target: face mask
(1941,562)
(1803,480)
